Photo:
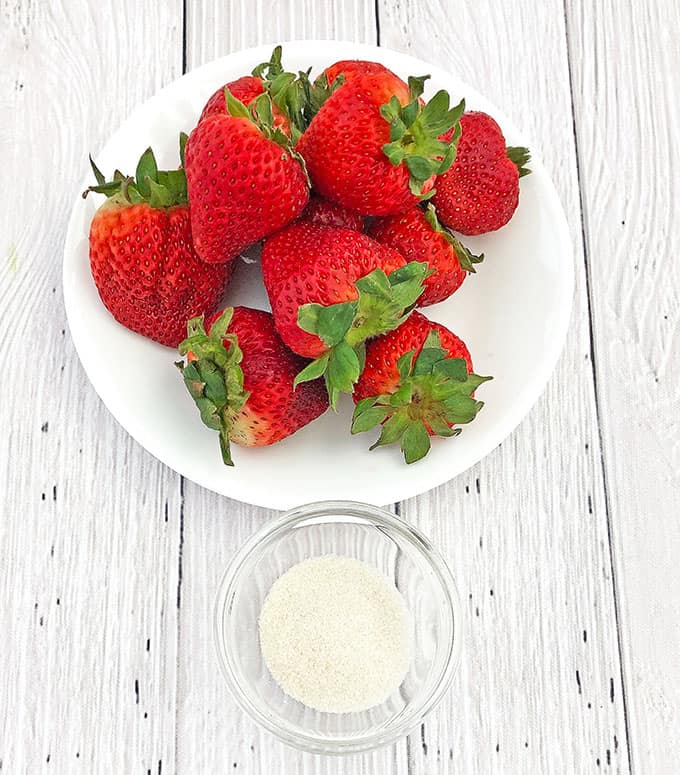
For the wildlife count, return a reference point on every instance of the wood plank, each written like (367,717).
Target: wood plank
(525,530)
(213,733)
(90,521)
(215,29)
(624,64)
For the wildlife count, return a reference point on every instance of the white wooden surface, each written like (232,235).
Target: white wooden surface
(564,541)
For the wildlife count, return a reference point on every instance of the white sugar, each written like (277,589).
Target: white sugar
(335,634)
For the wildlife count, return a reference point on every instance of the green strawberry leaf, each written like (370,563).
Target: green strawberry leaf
(343,368)
(415,130)
(452,368)
(466,258)
(234,106)
(158,188)
(308,317)
(384,302)
(98,175)
(519,157)
(271,68)
(146,172)
(415,442)
(314,95)
(416,86)
(287,92)
(392,429)
(364,420)
(213,376)
(218,330)
(334,322)
(313,370)
(183,137)
(405,364)
(159,196)
(175,182)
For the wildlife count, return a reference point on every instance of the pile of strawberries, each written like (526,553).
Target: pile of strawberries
(352,184)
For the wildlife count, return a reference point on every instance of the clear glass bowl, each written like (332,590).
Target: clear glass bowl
(371,535)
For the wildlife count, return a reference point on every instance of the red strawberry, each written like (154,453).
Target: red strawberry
(245,90)
(325,213)
(244,179)
(351,68)
(142,256)
(268,76)
(480,192)
(372,146)
(241,376)
(417,382)
(418,236)
(331,290)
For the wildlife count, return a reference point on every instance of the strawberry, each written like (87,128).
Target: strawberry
(374,148)
(351,68)
(418,236)
(332,289)
(325,213)
(266,76)
(243,177)
(142,257)
(417,382)
(480,191)
(245,90)
(241,376)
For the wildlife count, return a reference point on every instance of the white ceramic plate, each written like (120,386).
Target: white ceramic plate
(513,314)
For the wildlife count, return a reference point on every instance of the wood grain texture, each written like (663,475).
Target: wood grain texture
(89,527)
(110,562)
(526,529)
(624,61)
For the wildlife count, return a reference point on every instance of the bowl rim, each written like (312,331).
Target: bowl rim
(378,518)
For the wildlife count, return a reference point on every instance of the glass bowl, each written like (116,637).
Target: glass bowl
(374,536)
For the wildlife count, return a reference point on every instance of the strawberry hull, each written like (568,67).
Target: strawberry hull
(242,378)
(381,374)
(417,383)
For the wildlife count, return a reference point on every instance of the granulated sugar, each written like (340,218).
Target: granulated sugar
(335,634)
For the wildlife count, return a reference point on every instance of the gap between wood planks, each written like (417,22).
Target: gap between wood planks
(410,765)
(180,549)
(593,365)
(397,507)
